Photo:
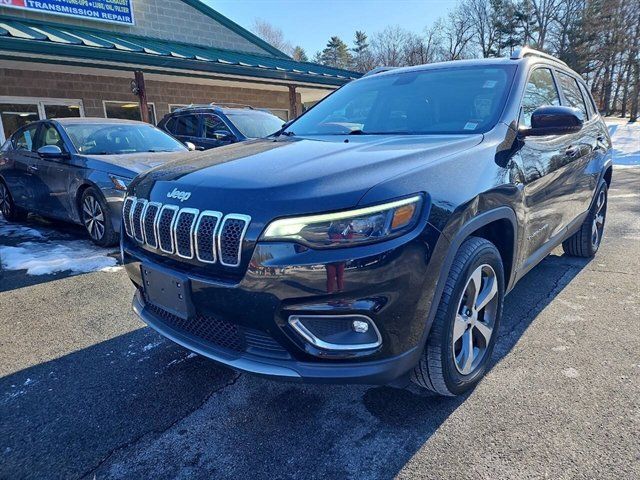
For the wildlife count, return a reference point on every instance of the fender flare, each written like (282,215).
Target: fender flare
(479,221)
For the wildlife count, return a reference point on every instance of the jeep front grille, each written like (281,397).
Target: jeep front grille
(208,236)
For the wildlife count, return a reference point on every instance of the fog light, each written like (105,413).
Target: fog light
(359,326)
(337,332)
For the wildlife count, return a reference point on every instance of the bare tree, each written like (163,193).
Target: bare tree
(457,32)
(388,46)
(485,34)
(272,35)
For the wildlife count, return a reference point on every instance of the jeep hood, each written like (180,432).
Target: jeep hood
(287,176)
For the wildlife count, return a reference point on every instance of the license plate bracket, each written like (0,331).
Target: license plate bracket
(168,291)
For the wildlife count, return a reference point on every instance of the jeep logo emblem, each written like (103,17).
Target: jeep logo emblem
(182,196)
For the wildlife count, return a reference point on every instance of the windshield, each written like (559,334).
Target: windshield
(113,138)
(256,124)
(448,100)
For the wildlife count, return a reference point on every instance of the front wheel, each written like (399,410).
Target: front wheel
(8,208)
(96,218)
(465,327)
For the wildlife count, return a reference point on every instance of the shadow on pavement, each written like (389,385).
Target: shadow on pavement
(108,409)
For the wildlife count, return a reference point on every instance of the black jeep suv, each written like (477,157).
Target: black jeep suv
(213,125)
(374,239)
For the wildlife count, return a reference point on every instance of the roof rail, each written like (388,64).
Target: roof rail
(522,52)
(214,104)
(378,70)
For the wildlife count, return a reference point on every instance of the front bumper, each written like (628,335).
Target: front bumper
(391,283)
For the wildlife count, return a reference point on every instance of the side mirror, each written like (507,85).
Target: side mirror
(190,146)
(224,135)
(52,152)
(554,120)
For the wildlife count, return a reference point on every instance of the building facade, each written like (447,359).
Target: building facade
(57,60)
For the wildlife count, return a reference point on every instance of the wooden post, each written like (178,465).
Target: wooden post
(142,96)
(293,103)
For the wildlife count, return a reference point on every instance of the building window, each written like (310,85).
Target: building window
(127,111)
(18,111)
(281,113)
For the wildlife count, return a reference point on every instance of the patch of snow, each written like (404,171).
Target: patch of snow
(77,256)
(560,348)
(626,143)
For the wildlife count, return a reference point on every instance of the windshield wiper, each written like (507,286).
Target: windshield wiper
(358,132)
(159,151)
(288,134)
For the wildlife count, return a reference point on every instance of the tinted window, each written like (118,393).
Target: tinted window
(572,93)
(256,124)
(170,125)
(589,101)
(443,100)
(212,123)
(186,125)
(540,91)
(25,139)
(110,138)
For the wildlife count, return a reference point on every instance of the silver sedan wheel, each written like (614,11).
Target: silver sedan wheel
(475,319)
(93,217)
(5,201)
(597,228)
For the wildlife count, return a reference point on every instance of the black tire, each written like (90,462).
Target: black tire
(8,208)
(438,369)
(586,241)
(96,218)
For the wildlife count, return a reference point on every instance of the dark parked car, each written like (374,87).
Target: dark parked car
(78,170)
(209,126)
(373,240)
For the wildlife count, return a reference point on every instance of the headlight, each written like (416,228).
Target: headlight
(120,183)
(353,227)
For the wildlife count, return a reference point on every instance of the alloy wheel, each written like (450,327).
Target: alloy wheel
(475,319)
(93,217)
(597,228)
(5,201)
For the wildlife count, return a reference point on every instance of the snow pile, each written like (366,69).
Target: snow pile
(626,143)
(17,231)
(76,256)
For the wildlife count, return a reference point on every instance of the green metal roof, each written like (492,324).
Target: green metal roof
(68,43)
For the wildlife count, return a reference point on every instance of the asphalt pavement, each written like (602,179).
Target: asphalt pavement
(86,391)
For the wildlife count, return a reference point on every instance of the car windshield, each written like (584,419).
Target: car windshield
(256,124)
(114,138)
(456,100)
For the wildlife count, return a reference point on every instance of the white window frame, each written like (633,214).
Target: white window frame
(40,103)
(121,102)
(177,106)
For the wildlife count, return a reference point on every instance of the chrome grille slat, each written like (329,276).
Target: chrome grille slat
(183,232)
(230,238)
(149,219)
(126,214)
(208,236)
(205,236)
(136,219)
(166,220)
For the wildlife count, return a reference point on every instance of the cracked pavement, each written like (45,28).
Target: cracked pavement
(86,391)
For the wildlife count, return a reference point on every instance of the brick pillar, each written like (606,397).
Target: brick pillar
(293,102)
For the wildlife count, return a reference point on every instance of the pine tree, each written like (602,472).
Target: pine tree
(336,54)
(299,55)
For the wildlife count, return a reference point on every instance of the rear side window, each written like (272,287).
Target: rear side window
(25,139)
(212,123)
(572,93)
(186,125)
(540,91)
(588,99)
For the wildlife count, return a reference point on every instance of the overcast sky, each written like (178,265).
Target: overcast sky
(310,23)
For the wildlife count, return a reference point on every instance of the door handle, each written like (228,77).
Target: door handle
(32,168)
